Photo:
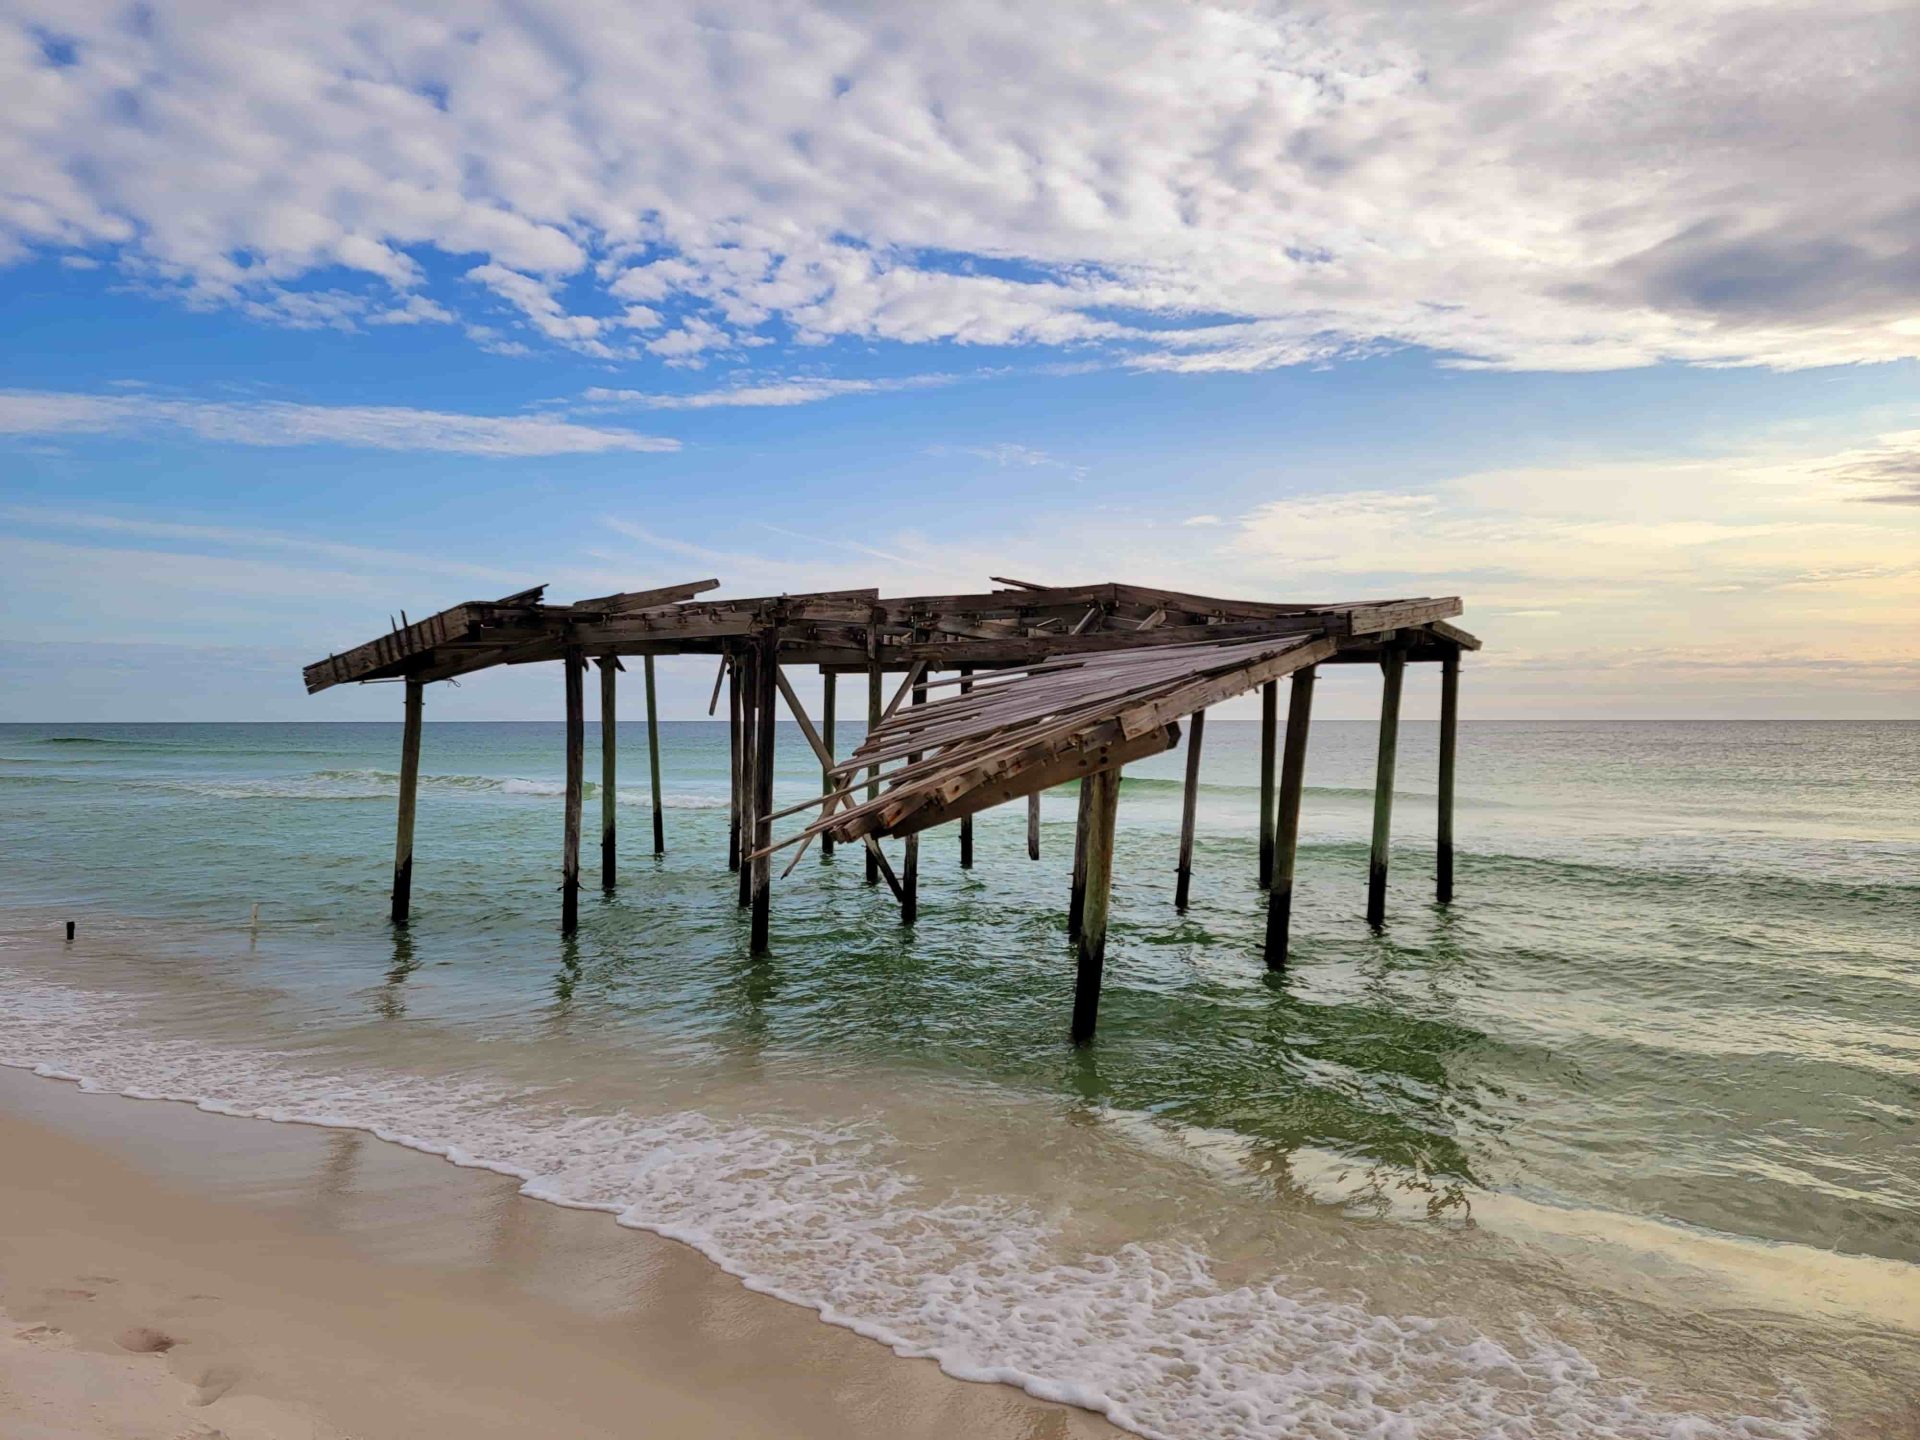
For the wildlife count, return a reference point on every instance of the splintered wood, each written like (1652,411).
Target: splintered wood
(1019,731)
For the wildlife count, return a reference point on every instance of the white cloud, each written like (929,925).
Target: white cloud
(1203,520)
(267,422)
(773,393)
(1198,187)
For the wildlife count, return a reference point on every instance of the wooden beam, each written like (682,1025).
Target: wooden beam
(1293,784)
(1393,667)
(576,666)
(1096,866)
(1269,736)
(609,777)
(1449,726)
(653,760)
(1189,801)
(1033,825)
(765,670)
(409,792)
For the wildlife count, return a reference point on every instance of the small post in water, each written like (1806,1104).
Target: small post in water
(1269,728)
(609,771)
(576,684)
(1189,801)
(1293,784)
(829,690)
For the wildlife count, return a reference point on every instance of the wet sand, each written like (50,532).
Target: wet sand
(167,1273)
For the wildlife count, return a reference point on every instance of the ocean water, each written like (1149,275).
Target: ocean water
(1625,1142)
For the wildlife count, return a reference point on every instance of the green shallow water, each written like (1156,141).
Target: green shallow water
(1679,990)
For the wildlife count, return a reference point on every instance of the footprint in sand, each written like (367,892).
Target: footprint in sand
(39,1334)
(99,1280)
(65,1294)
(215,1381)
(144,1340)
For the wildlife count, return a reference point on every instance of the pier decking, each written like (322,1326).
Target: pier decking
(1049,684)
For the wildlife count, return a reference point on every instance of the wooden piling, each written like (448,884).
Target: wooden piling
(409,791)
(609,772)
(966,821)
(733,770)
(1449,723)
(1096,843)
(764,687)
(1196,729)
(829,689)
(910,865)
(1293,784)
(748,660)
(1033,826)
(653,760)
(1393,666)
(874,703)
(1269,733)
(1077,897)
(576,667)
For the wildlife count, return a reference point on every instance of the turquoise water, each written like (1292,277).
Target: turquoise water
(1627,1140)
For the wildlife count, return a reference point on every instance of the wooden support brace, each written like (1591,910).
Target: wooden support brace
(1033,826)
(910,865)
(1189,801)
(1393,667)
(873,723)
(1090,945)
(1293,781)
(748,662)
(1077,896)
(409,791)
(733,764)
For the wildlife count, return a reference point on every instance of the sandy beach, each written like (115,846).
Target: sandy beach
(167,1273)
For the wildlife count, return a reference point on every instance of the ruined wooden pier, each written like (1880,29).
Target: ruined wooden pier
(1041,685)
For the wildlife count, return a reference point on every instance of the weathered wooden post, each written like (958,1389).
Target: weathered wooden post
(1393,666)
(734,761)
(1195,730)
(1077,897)
(910,865)
(1293,784)
(1096,843)
(653,759)
(1269,727)
(576,667)
(1449,723)
(409,791)
(873,723)
(748,659)
(966,821)
(609,791)
(1033,826)
(829,688)
(764,689)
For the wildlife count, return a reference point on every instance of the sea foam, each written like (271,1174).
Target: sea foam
(823,1217)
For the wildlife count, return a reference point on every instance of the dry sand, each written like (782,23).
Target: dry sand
(170,1274)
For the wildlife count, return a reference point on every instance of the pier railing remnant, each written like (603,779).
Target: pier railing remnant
(1050,684)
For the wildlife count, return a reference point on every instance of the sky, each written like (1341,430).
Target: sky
(1604,317)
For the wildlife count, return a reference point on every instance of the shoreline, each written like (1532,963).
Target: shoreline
(180,1272)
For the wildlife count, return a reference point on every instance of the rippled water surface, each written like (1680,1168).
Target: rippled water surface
(1624,1142)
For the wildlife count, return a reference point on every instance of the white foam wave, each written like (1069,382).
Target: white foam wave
(823,1218)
